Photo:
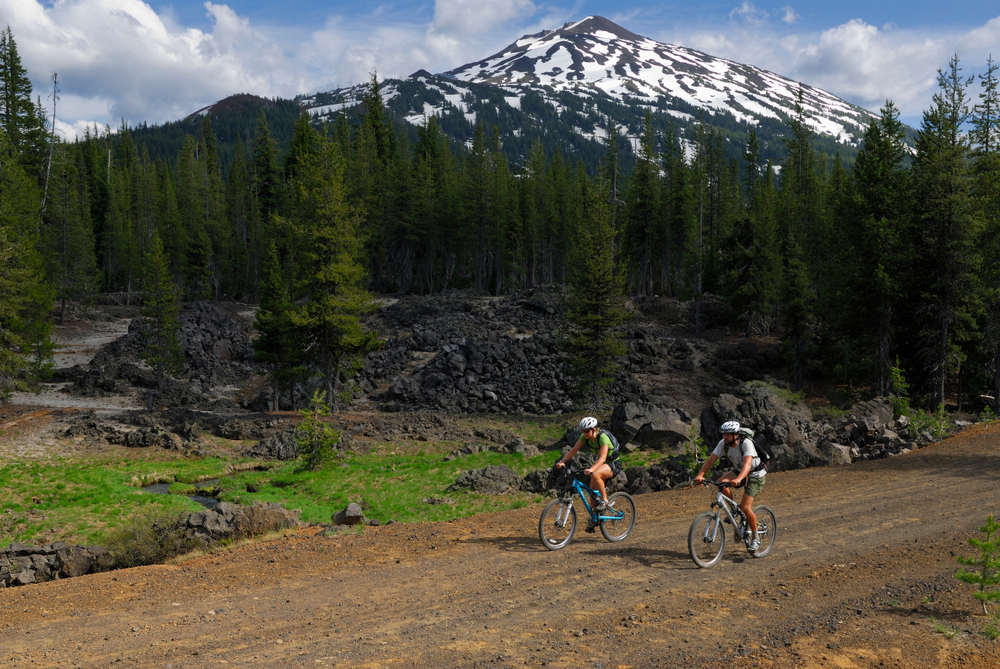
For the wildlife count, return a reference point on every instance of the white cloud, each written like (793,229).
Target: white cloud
(122,59)
(475,17)
(859,62)
(790,15)
(118,58)
(749,14)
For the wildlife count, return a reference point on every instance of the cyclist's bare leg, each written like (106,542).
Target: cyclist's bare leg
(597,478)
(746,508)
(728,492)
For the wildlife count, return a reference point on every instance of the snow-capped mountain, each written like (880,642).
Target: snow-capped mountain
(596,55)
(568,85)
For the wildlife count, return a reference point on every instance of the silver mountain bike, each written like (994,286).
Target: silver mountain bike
(707,537)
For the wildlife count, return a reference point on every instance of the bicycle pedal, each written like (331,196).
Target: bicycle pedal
(590,529)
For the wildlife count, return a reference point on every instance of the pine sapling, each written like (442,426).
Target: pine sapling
(694,453)
(315,437)
(987,564)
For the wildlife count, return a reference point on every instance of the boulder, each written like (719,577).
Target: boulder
(492,480)
(277,446)
(780,425)
(637,424)
(350,515)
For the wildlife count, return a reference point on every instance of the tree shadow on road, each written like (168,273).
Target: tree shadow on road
(521,543)
(647,557)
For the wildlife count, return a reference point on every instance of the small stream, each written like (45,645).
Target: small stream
(205,500)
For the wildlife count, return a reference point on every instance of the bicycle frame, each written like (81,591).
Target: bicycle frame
(585,491)
(729,506)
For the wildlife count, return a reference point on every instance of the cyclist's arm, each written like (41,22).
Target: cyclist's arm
(747,466)
(573,451)
(712,459)
(600,459)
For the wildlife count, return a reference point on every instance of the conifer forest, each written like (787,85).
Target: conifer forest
(881,275)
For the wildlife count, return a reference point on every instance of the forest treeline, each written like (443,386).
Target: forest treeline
(881,277)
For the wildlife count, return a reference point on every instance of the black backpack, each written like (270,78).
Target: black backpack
(762,452)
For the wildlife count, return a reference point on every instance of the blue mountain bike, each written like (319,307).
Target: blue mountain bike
(558,522)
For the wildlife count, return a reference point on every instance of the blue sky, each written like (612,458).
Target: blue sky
(157,61)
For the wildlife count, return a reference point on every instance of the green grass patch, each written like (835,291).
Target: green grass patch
(85,500)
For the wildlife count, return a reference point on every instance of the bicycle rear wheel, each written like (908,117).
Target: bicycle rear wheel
(616,529)
(557,524)
(767,530)
(706,540)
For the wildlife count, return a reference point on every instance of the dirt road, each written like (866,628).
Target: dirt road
(861,576)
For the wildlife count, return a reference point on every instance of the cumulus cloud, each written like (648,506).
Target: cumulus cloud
(857,61)
(122,59)
(790,15)
(749,14)
(119,55)
(475,17)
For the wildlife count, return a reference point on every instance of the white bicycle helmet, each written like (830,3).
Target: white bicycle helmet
(591,422)
(730,426)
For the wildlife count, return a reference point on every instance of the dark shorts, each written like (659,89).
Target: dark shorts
(616,467)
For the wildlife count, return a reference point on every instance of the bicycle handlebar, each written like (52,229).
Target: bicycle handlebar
(724,484)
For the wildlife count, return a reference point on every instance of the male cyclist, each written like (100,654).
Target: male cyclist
(608,464)
(742,456)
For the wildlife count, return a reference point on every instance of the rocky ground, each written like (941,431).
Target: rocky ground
(865,557)
(861,576)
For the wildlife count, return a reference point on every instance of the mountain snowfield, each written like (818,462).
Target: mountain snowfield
(598,61)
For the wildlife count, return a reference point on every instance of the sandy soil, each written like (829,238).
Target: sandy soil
(862,575)
(76,344)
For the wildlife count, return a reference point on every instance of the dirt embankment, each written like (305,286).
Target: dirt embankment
(861,576)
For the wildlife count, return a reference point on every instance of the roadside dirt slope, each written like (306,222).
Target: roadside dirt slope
(861,576)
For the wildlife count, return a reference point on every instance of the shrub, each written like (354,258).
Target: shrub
(316,438)
(151,536)
(987,564)
(695,453)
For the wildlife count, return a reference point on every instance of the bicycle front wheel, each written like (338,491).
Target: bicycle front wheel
(622,507)
(557,524)
(767,530)
(706,540)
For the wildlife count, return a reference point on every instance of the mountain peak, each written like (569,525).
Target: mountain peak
(596,56)
(594,24)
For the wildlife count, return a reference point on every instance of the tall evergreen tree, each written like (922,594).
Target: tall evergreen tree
(947,229)
(329,238)
(642,203)
(874,249)
(278,343)
(25,300)
(595,306)
(22,119)
(68,239)
(160,308)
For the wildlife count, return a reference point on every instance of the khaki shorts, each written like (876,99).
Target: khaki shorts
(754,485)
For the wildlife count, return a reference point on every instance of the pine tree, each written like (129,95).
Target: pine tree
(22,119)
(329,239)
(278,343)
(160,309)
(25,299)
(752,258)
(947,229)
(68,240)
(986,191)
(797,310)
(595,308)
(642,204)
(874,248)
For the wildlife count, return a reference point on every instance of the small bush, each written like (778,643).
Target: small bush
(316,439)
(151,536)
(695,453)
(986,575)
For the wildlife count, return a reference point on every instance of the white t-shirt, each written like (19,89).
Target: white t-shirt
(736,455)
